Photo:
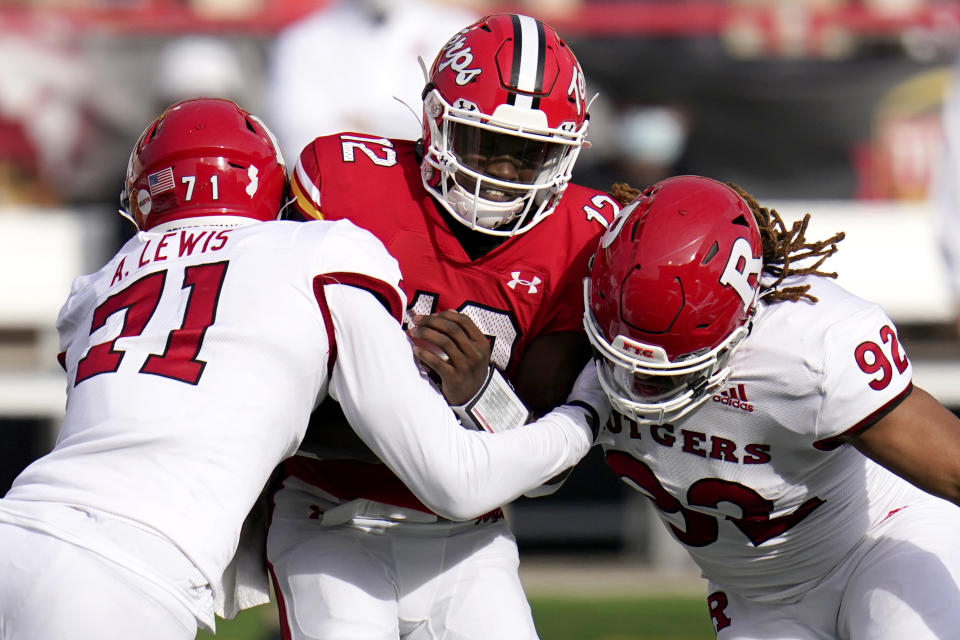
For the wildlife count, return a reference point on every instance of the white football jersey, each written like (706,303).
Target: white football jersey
(756,483)
(195,356)
(193,360)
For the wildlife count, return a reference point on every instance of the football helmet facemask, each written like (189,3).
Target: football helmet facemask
(504,118)
(670,295)
(204,157)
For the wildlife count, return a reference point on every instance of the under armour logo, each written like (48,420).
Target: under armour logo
(447,161)
(465,105)
(530,284)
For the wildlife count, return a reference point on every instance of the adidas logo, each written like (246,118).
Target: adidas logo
(735,398)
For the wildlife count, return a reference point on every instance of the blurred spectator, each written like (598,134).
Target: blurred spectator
(945,194)
(644,144)
(339,68)
(204,66)
(898,162)
(42,119)
(20,178)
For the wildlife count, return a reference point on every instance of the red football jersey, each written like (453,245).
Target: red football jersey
(529,285)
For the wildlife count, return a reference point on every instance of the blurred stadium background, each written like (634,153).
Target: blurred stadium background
(826,106)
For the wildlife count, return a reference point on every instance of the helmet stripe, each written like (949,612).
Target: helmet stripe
(528,53)
(541,64)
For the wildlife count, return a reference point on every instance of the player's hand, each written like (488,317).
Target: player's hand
(451,345)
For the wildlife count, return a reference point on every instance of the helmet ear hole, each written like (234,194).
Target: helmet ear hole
(153,130)
(714,249)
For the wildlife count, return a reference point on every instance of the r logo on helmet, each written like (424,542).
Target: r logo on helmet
(740,266)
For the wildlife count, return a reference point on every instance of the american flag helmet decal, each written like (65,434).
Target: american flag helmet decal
(161,181)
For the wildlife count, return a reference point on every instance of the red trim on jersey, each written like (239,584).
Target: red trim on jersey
(352,479)
(320,295)
(831,443)
(384,293)
(889,515)
(304,203)
(285,632)
(62,359)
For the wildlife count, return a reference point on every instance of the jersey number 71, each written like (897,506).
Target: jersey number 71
(140,299)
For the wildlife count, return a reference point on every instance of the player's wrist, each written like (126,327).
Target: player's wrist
(588,395)
(494,407)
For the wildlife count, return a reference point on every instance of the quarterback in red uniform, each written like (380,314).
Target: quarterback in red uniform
(183,396)
(482,219)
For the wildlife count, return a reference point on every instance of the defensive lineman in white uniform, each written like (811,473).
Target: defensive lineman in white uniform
(746,422)
(193,359)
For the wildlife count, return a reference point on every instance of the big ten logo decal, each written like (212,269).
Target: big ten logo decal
(740,266)
(716,604)
(459,58)
(379,150)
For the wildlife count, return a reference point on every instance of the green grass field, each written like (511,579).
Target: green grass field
(654,618)
(675,618)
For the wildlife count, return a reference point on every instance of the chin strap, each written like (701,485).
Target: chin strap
(494,408)
(127,216)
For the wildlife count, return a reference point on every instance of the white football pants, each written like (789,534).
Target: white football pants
(902,582)
(369,580)
(53,589)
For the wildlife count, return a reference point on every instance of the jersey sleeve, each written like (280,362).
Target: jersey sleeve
(588,214)
(305,182)
(343,252)
(565,311)
(866,373)
(458,473)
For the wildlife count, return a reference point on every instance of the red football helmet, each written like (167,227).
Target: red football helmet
(504,118)
(670,295)
(204,157)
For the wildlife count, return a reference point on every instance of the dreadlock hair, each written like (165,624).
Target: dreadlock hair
(781,246)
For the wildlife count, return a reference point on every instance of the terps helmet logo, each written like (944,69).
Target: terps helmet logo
(459,59)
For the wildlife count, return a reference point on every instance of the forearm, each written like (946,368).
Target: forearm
(459,473)
(456,472)
(920,442)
